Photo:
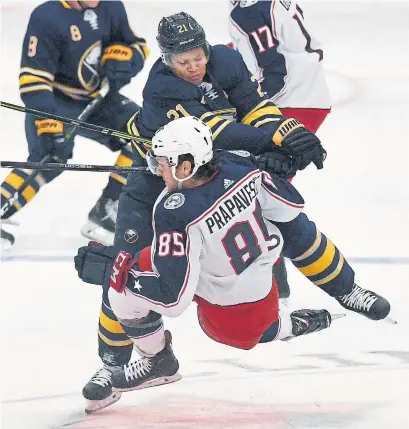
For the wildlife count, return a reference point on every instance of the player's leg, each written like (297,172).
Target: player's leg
(133,233)
(114,113)
(312,120)
(325,266)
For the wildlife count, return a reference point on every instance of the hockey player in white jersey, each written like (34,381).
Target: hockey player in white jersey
(279,48)
(219,225)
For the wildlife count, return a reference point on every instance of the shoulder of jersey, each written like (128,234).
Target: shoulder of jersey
(162,83)
(49,12)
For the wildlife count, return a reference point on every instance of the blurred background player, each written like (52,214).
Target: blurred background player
(68,49)
(279,49)
(193,78)
(215,245)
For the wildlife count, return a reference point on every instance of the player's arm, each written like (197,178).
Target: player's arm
(124,53)
(175,257)
(280,201)
(39,59)
(257,39)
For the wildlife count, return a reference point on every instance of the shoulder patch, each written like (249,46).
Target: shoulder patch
(174,201)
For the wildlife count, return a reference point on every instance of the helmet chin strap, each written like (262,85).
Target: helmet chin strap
(82,5)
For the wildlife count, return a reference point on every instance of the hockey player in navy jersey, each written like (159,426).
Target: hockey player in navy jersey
(219,225)
(213,83)
(68,49)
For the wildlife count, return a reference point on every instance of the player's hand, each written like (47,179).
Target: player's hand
(101,265)
(94,263)
(277,163)
(300,144)
(120,64)
(51,133)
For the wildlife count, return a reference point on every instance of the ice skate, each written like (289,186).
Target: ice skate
(365,302)
(101,221)
(148,371)
(98,391)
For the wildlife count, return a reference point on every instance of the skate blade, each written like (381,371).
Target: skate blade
(152,383)
(93,406)
(337,316)
(389,319)
(96,232)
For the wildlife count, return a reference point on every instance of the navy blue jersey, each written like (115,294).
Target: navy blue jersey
(62,50)
(213,240)
(229,101)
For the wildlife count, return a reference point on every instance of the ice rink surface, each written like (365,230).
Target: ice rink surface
(355,375)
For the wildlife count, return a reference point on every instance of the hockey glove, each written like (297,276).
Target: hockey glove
(121,63)
(101,265)
(300,144)
(94,263)
(276,163)
(51,133)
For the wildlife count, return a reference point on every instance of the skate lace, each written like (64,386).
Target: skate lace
(137,369)
(360,299)
(102,377)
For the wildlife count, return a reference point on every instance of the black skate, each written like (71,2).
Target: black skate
(365,302)
(98,391)
(308,321)
(148,371)
(101,221)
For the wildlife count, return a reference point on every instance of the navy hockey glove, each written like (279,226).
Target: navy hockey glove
(121,63)
(300,144)
(51,133)
(276,163)
(94,263)
(101,265)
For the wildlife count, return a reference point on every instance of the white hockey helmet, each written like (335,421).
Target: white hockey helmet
(187,135)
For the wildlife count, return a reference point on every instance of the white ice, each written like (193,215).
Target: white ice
(355,375)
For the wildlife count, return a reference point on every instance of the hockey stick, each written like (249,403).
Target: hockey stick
(73,167)
(37,166)
(76,123)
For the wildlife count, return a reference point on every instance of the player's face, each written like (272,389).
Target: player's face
(165,171)
(190,65)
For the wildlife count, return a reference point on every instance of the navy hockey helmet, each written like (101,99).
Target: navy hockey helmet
(180,33)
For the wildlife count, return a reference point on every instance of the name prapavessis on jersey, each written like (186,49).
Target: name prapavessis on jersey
(232,205)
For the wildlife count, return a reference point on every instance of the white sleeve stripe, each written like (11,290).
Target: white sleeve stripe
(273,21)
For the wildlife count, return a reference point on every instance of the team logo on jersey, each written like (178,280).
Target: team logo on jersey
(175,201)
(88,67)
(227,183)
(208,90)
(92,18)
(131,235)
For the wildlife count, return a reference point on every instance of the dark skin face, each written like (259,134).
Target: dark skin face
(190,65)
